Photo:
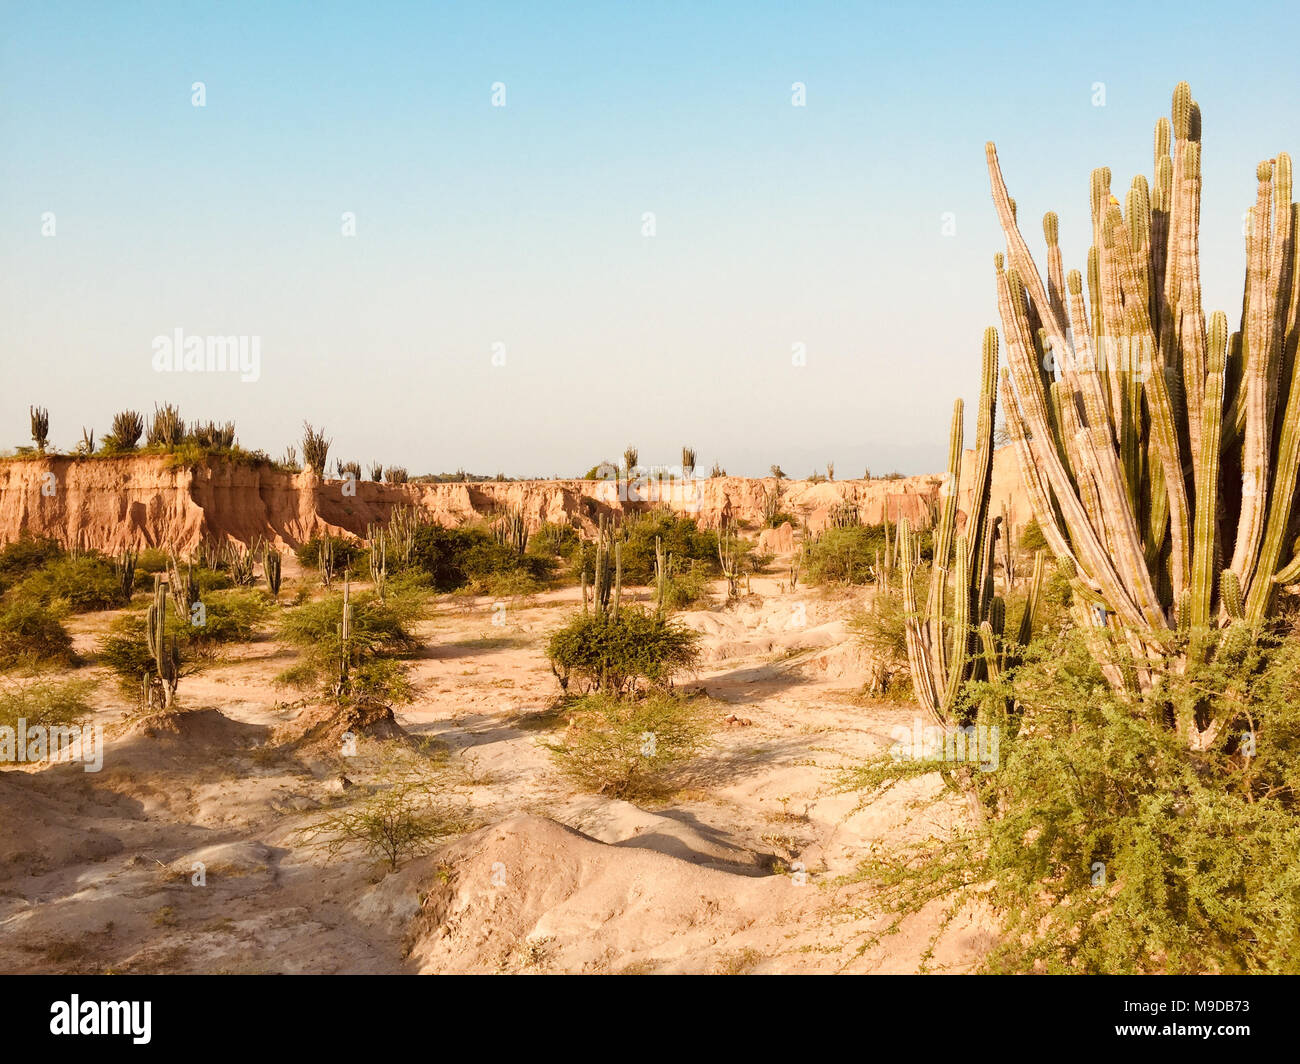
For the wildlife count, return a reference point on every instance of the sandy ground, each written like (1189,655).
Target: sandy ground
(743,870)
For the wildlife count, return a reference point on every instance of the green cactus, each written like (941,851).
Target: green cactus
(512,531)
(272,570)
(943,642)
(1131,446)
(125,569)
(160,689)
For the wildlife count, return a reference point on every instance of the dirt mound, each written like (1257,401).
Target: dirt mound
(326,726)
(191,728)
(529,894)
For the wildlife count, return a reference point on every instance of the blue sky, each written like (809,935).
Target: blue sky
(522,225)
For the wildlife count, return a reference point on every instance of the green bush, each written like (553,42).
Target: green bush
(346,552)
(32,634)
(1032,538)
(882,634)
(25,555)
(681,537)
(151,560)
(82,584)
(1111,846)
(688,588)
(231,616)
(379,630)
(44,702)
(608,653)
(554,540)
(125,651)
(848,555)
(629,748)
(454,558)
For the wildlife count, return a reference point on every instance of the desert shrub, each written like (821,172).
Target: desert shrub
(681,537)
(882,634)
(346,552)
(1110,845)
(393,822)
(381,680)
(124,650)
(687,588)
(151,560)
(611,653)
(212,580)
(629,748)
(1032,538)
(25,555)
(379,630)
(44,702)
(231,616)
(454,558)
(32,634)
(82,584)
(848,555)
(555,540)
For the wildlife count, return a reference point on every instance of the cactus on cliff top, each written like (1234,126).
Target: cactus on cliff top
(40,422)
(315,448)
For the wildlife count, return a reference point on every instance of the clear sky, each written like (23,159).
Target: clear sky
(522,225)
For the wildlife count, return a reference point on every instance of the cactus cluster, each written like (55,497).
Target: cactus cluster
(124,567)
(168,428)
(511,530)
(315,448)
(607,583)
(1159,450)
(961,635)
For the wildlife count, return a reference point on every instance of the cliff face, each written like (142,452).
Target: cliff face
(143,501)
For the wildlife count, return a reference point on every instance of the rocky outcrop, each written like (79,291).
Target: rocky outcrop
(150,501)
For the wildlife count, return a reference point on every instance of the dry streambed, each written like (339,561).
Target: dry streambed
(742,870)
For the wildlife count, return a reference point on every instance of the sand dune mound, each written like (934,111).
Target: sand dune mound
(192,728)
(528,894)
(325,726)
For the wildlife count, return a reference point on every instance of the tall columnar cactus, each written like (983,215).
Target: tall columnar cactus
(125,569)
(944,641)
(607,582)
(272,569)
(161,687)
(40,419)
(512,531)
(378,559)
(1155,447)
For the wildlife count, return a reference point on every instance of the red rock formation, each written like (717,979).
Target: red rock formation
(146,500)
